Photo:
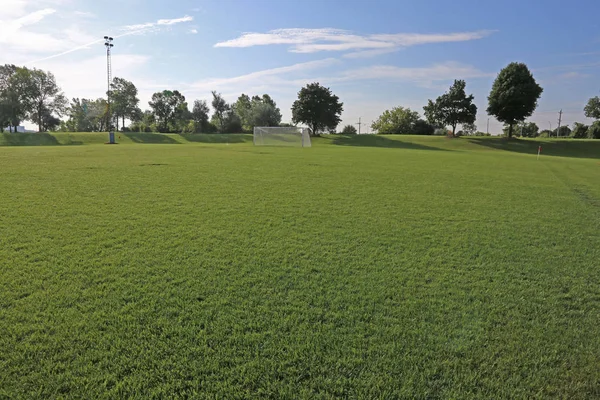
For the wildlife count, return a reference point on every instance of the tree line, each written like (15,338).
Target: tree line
(513,98)
(34,95)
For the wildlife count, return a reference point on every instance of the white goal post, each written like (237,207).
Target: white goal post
(278,136)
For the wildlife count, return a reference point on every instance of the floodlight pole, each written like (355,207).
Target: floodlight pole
(108,43)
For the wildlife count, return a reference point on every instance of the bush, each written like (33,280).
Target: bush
(349,130)
(422,127)
(441,132)
(594,130)
(125,129)
(579,130)
(545,133)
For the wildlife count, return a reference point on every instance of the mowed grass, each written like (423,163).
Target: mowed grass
(427,268)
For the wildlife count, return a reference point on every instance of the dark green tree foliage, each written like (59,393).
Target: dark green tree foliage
(422,127)
(514,95)
(13,107)
(594,131)
(452,108)
(349,130)
(124,100)
(200,116)
(526,129)
(564,131)
(169,107)
(580,131)
(592,108)
(220,108)
(318,108)
(398,120)
(44,97)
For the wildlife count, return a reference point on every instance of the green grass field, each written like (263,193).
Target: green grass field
(365,267)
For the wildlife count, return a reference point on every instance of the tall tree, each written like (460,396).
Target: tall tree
(124,100)
(452,108)
(167,106)
(317,107)
(220,107)
(514,95)
(44,97)
(592,108)
(200,115)
(14,82)
(526,129)
(580,131)
(243,108)
(398,120)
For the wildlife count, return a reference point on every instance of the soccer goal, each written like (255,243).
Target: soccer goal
(276,136)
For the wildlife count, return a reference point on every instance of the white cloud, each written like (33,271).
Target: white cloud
(329,39)
(87,78)
(424,76)
(193,31)
(161,22)
(264,77)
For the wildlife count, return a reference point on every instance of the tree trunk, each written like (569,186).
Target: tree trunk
(453,130)
(10,128)
(510,130)
(117,120)
(123,126)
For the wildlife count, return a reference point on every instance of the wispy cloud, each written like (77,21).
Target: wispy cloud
(329,39)
(193,31)
(161,22)
(128,30)
(421,75)
(263,77)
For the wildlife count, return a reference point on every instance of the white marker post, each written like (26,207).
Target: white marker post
(539,151)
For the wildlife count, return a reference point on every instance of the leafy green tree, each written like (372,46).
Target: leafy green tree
(200,116)
(514,95)
(452,108)
(220,108)
(124,100)
(43,97)
(564,131)
(87,115)
(398,120)
(594,130)
(546,133)
(580,131)
(422,127)
(349,130)
(592,109)
(264,114)
(168,108)
(243,108)
(526,129)
(317,107)
(13,104)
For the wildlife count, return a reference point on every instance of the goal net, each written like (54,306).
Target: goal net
(276,136)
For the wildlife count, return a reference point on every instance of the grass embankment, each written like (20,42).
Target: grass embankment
(428,268)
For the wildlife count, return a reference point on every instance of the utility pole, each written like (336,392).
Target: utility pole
(559,121)
(108,43)
(359,124)
(488,127)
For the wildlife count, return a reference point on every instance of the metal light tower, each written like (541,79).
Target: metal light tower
(108,43)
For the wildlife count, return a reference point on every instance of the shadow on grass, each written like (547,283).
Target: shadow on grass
(575,148)
(33,139)
(379,141)
(150,138)
(217,137)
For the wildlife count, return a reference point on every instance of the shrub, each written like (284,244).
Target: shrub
(422,127)
(349,130)
(594,130)
(441,132)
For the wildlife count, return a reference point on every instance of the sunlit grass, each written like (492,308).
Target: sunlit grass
(426,268)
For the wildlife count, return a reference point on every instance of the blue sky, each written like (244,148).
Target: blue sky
(374,55)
